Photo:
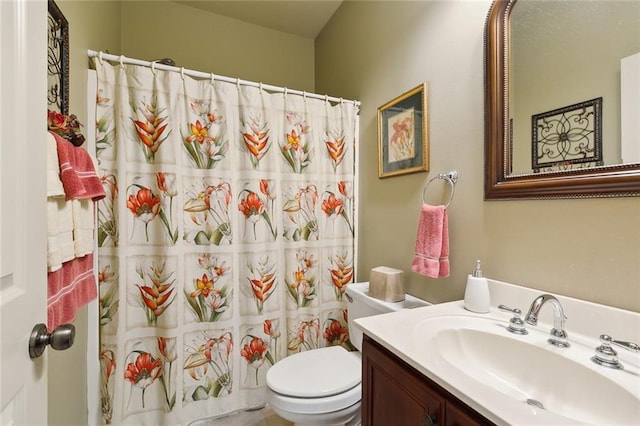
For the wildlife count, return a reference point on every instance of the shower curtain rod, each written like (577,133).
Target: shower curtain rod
(155,65)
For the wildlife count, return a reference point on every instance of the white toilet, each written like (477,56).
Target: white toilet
(323,386)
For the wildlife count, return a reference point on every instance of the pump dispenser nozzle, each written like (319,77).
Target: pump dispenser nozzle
(477,272)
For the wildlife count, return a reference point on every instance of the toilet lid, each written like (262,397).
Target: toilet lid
(316,373)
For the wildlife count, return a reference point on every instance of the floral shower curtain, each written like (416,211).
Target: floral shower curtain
(225,240)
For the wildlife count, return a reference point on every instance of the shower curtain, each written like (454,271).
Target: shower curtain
(225,241)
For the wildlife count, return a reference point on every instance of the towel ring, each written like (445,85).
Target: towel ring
(451,178)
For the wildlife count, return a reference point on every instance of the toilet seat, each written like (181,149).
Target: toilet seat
(318,373)
(323,380)
(324,405)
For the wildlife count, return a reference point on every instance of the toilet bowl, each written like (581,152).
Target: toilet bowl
(323,386)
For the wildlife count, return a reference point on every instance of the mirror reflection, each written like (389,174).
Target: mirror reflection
(511,171)
(573,73)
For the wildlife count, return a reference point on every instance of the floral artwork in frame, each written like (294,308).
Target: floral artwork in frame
(567,138)
(403,145)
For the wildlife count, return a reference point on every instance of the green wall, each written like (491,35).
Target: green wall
(588,248)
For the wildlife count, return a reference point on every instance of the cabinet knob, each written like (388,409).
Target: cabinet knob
(430,419)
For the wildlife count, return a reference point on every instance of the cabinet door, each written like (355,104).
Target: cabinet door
(455,416)
(392,395)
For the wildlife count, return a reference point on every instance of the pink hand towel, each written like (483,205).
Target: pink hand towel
(77,172)
(431,257)
(68,289)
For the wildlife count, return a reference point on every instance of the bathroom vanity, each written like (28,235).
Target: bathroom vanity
(445,365)
(394,393)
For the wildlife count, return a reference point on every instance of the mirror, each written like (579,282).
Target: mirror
(57,60)
(512,141)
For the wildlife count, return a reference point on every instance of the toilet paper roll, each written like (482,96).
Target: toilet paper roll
(387,284)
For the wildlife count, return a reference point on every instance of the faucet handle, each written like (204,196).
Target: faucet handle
(606,355)
(630,346)
(516,325)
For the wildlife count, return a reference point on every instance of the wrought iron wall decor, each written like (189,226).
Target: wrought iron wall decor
(57,60)
(567,138)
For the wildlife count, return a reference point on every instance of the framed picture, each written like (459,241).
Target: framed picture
(403,144)
(567,138)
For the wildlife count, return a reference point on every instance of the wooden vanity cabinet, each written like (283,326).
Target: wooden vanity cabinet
(396,394)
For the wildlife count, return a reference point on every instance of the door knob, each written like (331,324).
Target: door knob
(60,339)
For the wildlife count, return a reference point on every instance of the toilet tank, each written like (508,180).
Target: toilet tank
(360,304)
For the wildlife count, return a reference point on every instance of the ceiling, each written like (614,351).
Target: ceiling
(304,18)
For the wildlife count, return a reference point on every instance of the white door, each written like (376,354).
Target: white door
(23,227)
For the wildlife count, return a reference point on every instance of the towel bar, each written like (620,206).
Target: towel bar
(451,177)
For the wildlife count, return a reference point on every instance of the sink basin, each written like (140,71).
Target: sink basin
(529,371)
(539,377)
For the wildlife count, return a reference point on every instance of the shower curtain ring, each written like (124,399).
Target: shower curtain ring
(182,72)
(100,57)
(122,61)
(213,78)
(260,85)
(153,67)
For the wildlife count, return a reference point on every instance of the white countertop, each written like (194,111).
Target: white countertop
(401,333)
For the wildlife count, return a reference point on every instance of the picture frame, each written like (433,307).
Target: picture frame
(567,138)
(57,60)
(403,143)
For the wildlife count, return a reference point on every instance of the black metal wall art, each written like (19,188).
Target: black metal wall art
(567,138)
(57,60)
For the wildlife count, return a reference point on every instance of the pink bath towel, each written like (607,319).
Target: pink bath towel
(77,172)
(431,257)
(68,289)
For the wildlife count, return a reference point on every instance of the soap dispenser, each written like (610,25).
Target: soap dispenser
(476,294)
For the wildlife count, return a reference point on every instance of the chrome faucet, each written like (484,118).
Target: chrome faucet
(558,333)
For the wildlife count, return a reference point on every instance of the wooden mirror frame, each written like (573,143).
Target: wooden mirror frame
(603,181)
